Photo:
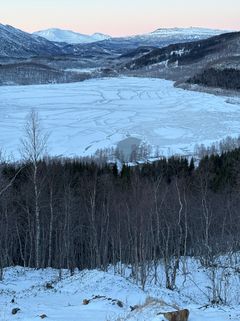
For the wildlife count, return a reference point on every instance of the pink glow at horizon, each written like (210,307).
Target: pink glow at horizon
(117,18)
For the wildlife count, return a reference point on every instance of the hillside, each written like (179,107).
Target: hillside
(17,43)
(191,52)
(183,61)
(29,73)
(224,73)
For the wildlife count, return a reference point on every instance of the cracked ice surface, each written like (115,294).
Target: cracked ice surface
(98,113)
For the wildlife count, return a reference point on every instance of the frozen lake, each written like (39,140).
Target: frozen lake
(99,113)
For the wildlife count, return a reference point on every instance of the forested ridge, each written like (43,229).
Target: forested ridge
(228,78)
(92,215)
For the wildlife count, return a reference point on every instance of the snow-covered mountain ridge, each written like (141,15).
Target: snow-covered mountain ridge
(69,36)
(167,36)
(53,42)
(196,31)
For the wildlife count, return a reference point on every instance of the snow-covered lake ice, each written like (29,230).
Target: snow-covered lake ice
(98,113)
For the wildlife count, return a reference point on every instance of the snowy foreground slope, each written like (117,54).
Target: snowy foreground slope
(98,113)
(111,296)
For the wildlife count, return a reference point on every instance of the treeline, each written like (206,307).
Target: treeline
(29,73)
(71,214)
(228,78)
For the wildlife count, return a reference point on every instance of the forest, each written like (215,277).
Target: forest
(78,213)
(228,78)
(29,73)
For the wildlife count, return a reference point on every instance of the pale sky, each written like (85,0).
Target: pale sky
(119,17)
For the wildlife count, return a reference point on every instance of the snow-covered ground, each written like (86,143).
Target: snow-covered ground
(83,70)
(111,296)
(98,113)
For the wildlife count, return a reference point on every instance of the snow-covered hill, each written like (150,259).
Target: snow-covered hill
(17,43)
(70,37)
(193,32)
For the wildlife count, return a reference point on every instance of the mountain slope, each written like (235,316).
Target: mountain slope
(70,37)
(186,60)
(222,73)
(190,52)
(17,43)
(30,73)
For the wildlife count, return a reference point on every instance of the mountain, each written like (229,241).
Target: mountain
(80,44)
(97,36)
(70,37)
(164,36)
(17,43)
(190,52)
(191,33)
(212,62)
(127,45)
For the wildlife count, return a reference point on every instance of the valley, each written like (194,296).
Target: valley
(183,55)
(119,175)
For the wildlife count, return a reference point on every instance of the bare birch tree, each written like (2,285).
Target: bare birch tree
(34,145)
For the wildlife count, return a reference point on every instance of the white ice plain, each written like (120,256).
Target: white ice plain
(83,117)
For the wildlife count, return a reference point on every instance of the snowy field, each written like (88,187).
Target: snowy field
(99,113)
(111,296)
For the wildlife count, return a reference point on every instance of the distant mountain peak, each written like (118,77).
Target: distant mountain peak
(189,30)
(69,36)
